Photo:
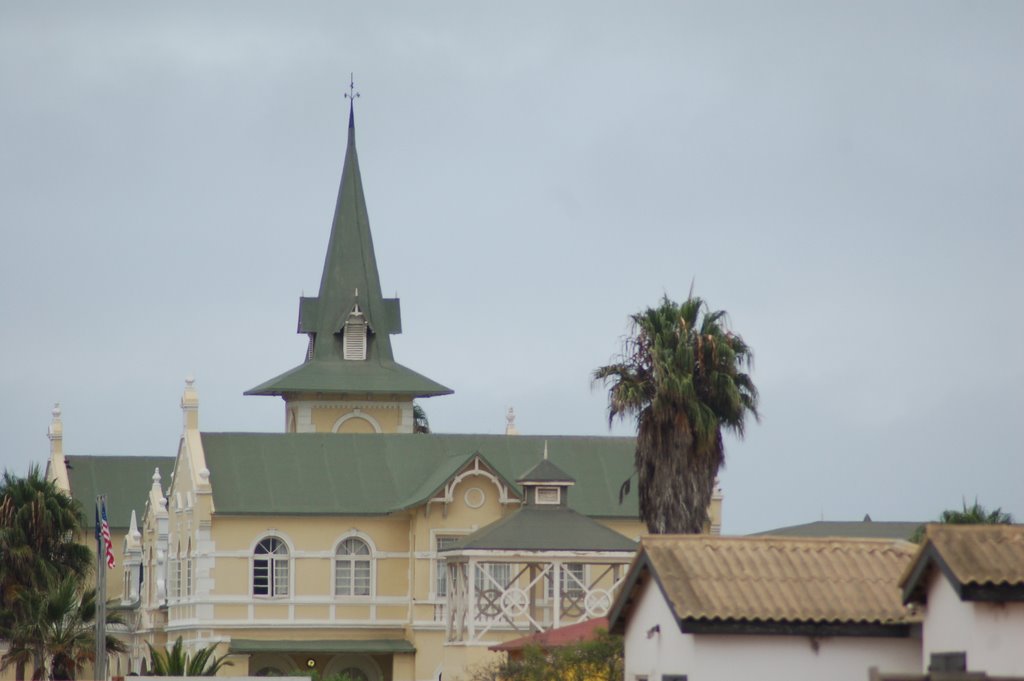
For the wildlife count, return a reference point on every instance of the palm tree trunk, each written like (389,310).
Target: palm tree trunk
(675,479)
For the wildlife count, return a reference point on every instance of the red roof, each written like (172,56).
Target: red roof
(555,638)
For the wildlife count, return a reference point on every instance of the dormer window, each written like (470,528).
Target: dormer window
(549,495)
(354,335)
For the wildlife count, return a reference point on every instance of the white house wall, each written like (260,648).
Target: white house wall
(716,657)
(992,634)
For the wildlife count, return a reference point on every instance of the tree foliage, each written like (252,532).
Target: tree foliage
(975,514)
(39,526)
(175,661)
(55,631)
(600,659)
(681,375)
(420,422)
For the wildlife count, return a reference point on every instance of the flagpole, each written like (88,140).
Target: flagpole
(100,666)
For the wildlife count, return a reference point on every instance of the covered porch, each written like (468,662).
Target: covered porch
(541,567)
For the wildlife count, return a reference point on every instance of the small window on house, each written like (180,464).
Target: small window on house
(352,568)
(270,568)
(549,495)
(354,336)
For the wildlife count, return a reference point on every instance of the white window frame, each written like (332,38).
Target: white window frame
(546,499)
(439,585)
(278,569)
(352,560)
(494,571)
(569,586)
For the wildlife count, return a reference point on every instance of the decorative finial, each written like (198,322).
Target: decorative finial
(190,380)
(156,476)
(351,94)
(545,449)
(510,422)
(133,527)
(56,410)
(351,97)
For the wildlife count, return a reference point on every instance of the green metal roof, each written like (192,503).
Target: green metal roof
(350,278)
(371,376)
(545,471)
(867,529)
(373,474)
(372,646)
(126,480)
(533,528)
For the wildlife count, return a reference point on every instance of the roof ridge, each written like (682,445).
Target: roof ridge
(772,539)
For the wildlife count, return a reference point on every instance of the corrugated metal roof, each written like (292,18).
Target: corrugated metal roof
(970,556)
(372,474)
(125,480)
(775,579)
(981,554)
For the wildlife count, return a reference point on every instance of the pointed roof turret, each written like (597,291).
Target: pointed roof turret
(350,322)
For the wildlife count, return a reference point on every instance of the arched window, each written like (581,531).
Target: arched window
(270,568)
(353,568)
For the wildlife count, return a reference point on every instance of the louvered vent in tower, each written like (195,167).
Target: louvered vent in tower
(354,336)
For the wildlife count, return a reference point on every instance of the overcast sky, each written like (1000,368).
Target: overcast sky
(845,179)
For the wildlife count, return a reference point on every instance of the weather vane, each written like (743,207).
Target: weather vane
(351,94)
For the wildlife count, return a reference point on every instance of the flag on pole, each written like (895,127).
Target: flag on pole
(104,530)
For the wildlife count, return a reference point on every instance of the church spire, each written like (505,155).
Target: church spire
(349,322)
(350,282)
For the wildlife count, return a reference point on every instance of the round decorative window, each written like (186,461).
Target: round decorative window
(475,497)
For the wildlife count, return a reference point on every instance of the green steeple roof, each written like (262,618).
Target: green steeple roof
(350,284)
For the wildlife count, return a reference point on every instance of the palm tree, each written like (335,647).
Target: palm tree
(177,662)
(38,528)
(975,514)
(56,629)
(680,375)
(420,422)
